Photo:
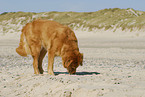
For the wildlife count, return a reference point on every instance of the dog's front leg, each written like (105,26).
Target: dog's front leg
(50,63)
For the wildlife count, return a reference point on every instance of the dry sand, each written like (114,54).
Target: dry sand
(114,66)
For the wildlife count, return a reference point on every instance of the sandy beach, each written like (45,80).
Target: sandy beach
(113,66)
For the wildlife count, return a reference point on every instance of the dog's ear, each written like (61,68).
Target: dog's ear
(67,63)
(80,59)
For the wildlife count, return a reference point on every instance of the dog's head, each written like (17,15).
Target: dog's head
(72,63)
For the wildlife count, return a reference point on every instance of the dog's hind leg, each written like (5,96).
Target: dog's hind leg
(35,48)
(40,59)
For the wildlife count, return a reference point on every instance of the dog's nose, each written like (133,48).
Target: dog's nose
(72,73)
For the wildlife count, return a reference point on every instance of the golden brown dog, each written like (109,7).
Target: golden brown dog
(42,36)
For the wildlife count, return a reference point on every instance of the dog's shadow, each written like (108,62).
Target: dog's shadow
(78,73)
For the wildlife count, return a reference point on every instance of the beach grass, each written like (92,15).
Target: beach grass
(103,19)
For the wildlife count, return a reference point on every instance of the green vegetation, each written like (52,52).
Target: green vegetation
(103,19)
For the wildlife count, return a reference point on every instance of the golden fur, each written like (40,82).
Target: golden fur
(42,36)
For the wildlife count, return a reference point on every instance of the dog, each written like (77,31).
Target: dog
(41,36)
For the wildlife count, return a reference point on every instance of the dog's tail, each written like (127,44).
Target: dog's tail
(23,48)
